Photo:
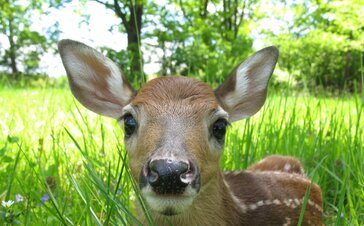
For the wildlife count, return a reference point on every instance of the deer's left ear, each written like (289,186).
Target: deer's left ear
(244,92)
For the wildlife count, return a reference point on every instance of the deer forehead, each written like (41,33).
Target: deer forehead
(174,98)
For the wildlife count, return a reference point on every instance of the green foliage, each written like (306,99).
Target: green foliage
(26,46)
(203,42)
(321,42)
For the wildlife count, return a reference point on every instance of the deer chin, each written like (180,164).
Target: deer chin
(170,204)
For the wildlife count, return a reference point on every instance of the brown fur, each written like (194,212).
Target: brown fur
(179,91)
(278,163)
(252,187)
(227,87)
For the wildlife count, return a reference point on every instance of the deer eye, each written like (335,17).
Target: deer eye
(130,125)
(219,129)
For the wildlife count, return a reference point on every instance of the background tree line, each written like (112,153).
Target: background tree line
(321,42)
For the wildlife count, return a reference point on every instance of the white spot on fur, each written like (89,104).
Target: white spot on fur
(260,203)
(277,202)
(237,201)
(290,203)
(302,171)
(284,175)
(288,221)
(287,202)
(287,167)
(235,173)
(313,204)
(262,161)
(297,201)
(253,206)
(268,202)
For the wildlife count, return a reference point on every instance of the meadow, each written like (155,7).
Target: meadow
(63,165)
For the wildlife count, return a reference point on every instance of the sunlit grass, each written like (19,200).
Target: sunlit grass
(49,144)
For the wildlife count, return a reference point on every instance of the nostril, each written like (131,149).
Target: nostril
(153,177)
(190,174)
(186,174)
(168,176)
(182,168)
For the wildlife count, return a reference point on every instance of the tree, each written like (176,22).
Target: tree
(131,15)
(25,45)
(203,38)
(322,44)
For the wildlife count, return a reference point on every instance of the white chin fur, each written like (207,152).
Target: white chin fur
(169,204)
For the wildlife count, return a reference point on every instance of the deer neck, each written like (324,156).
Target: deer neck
(214,205)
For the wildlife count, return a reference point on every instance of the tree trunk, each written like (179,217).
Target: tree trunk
(348,72)
(133,26)
(12,51)
(134,44)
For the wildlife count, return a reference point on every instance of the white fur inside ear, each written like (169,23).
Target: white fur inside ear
(241,88)
(80,70)
(254,73)
(252,76)
(115,83)
(242,80)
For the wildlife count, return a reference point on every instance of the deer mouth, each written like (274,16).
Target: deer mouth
(169,205)
(169,211)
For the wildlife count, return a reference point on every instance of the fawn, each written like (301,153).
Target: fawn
(174,131)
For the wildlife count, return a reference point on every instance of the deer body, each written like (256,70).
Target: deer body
(174,133)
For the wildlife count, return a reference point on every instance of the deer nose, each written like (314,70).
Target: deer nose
(167,176)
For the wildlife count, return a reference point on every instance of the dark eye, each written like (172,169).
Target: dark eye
(129,125)
(219,128)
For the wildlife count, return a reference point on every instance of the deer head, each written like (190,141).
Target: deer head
(174,127)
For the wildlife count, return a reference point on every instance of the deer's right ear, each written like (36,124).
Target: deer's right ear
(95,80)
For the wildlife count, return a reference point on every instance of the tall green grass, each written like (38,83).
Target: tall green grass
(51,145)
